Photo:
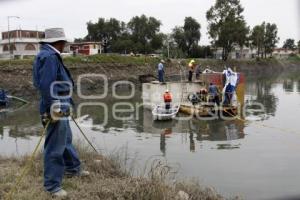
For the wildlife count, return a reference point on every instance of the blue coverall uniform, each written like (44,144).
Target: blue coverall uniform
(60,156)
(161,72)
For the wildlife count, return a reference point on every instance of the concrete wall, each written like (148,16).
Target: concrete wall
(153,92)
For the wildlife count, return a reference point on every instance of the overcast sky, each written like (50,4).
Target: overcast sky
(73,14)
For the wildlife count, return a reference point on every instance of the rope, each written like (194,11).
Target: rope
(27,165)
(85,137)
(20,99)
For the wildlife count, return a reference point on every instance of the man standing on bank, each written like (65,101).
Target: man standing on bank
(161,71)
(54,83)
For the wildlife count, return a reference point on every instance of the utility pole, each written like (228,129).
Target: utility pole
(9,44)
(168,49)
(168,46)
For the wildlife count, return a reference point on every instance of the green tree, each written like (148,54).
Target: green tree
(257,38)
(271,38)
(192,33)
(123,45)
(179,39)
(106,31)
(226,25)
(202,52)
(188,36)
(145,33)
(289,44)
(299,46)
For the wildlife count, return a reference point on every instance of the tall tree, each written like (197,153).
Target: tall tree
(106,31)
(192,33)
(299,46)
(188,36)
(226,25)
(179,38)
(271,38)
(289,44)
(123,44)
(257,38)
(145,33)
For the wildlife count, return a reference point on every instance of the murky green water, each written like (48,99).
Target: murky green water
(253,159)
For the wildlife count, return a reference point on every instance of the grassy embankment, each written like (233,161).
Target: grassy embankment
(103,59)
(128,60)
(108,180)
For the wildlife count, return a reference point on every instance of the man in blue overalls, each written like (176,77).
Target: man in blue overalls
(161,71)
(54,82)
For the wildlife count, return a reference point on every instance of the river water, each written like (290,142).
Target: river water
(255,159)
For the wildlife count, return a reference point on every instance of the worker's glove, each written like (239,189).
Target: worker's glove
(46,118)
(60,111)
(52,118)
(56,116)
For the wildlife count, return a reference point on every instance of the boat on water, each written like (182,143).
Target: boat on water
(160,113)
(208,110)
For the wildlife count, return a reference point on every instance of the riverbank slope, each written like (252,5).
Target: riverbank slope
(16,76)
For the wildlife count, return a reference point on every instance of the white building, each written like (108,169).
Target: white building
(237,53)
(283,53)
(22,43)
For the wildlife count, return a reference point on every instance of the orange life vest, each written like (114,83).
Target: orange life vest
(167,97)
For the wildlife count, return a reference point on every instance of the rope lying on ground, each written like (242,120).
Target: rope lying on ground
(19,99)
(27,165)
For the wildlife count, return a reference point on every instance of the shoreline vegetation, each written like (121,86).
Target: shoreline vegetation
(147,60)
(108,181)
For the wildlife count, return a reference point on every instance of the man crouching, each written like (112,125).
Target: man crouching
(55,84)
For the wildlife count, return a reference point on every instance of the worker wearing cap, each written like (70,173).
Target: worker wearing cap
(192,65)
(161,71)
(54,83)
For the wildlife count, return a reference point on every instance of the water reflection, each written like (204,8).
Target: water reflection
(288,85)
(17,141)
(261,92)
(197,131)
